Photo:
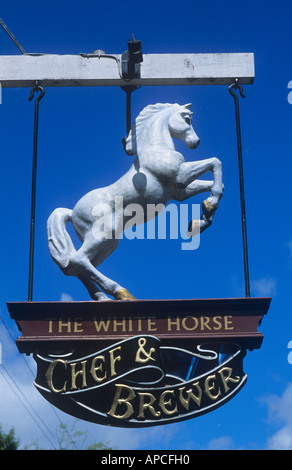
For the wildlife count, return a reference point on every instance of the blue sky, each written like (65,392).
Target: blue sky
(80,149)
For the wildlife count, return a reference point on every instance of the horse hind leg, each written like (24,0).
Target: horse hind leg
(94,292)
(91,277)
(77,263)
(81,266)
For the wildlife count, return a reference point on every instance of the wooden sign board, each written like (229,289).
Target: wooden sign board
(139,363)
(51,70)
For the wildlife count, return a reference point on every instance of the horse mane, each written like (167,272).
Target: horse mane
(130,144)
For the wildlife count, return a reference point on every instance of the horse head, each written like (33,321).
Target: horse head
(177,118)
(180,126)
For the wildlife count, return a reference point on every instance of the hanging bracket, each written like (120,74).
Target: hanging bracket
(36,88)
(129,90)
(236,86)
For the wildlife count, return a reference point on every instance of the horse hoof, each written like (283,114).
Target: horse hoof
(208,208)
(194,228)
(123,294)
(101,296)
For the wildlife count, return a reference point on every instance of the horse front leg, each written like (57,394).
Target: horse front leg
(211,203)
(188,185)
(190,171)
(194,188)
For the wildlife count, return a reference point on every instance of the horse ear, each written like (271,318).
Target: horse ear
(188,106)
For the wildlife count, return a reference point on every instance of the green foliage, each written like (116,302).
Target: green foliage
(100,446)
(71,439)
(67,437)
(8,441)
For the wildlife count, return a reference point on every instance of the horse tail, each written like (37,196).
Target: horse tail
(60,244)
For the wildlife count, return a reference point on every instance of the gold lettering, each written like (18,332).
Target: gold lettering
(119,401)
(77,325)
(151,325)
(227,322)
(218,322)
(173,322)
(49,376)
(190,395)
(190,328)
(227,378)
(146,356)
(163,403)
(65,325)
(143,405)
(102,325)
(113,360)
(139,321)
(51,325)
(205,323)
(209,387)
(95,368)
(120,323)
(75,374)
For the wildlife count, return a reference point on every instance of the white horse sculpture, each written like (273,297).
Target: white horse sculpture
(158,174)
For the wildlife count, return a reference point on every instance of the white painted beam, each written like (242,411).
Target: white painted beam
(105,70)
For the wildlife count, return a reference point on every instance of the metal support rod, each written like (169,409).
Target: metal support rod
(129,90)
(36,88)
(241,183)
(128,109)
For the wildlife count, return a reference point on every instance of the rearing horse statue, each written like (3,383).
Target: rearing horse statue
(158,174)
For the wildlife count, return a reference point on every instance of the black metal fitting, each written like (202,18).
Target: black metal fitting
(131,59)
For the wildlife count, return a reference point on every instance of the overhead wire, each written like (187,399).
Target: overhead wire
(26,363)
(23,400)
(12,36)
(18,388)
(21,355)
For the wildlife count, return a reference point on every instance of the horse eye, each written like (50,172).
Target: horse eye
(188,120)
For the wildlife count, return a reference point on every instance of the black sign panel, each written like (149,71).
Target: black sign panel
(138,382)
